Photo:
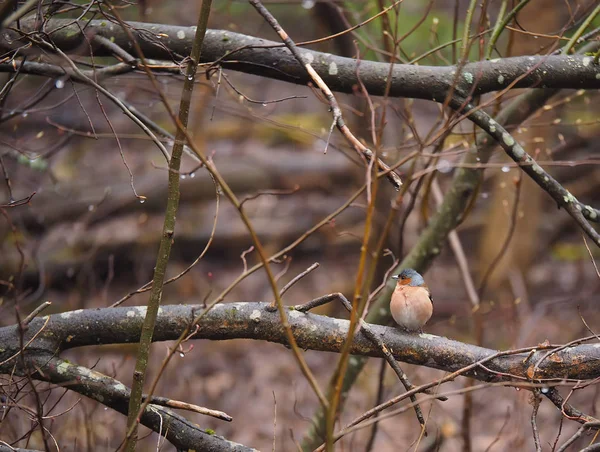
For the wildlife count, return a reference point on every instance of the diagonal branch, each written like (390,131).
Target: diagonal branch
(579,211)
(338,120)
(182,433)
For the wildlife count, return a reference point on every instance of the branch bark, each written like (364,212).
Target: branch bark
(271,59)
(180,432)
(253,320)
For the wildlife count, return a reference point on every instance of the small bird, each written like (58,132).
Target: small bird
(411,305)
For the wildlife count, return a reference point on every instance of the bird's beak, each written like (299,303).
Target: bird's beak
(395,277)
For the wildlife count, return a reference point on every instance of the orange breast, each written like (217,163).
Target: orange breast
(411,307)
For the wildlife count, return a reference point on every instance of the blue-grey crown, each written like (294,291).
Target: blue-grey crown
(415,277)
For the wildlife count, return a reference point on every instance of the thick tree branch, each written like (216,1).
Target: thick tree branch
(270,59)
(316,332)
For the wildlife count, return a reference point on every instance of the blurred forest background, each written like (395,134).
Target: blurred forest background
(85,239)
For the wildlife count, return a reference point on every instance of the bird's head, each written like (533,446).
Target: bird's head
(409,277)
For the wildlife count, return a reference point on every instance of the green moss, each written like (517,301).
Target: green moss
(38,164)
(571,252)
(71,32)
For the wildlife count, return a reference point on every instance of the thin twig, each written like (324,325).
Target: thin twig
(378,400)
(497,438)
(136,406)
(591,255)
(458,250)
(274,421)
(243,257)
(316,78)
(509,235)
(164,401)
(289,285)
(369,334)
(270,192)
(577,434)
(264,103)
(536,405)
(347,430)
(234,200)
(567,409)
(27,320)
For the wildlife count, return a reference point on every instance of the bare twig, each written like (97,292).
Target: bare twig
(580,212)
(497,438)
(316,78)
(591,255)
(135,401)
(536,405)
(289,285)
(378,400)
(567,409)
(270,192)
(365,423)
(274,421)
(18,202)
(33,314)
(509,235)
(164,401)
(234,200)
(585,427)
(264,103)
(243,257)
(458,250)
(369,334)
